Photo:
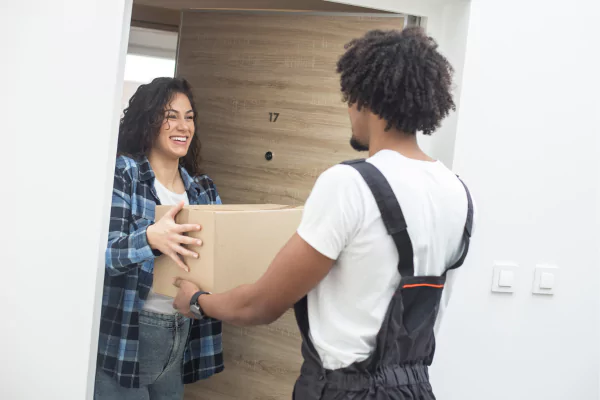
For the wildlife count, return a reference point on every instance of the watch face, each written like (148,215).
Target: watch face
(195,310)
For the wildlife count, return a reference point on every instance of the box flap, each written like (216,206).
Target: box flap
(240,207)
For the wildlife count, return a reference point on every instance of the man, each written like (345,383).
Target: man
(368,271)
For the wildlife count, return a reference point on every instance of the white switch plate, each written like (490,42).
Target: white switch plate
(544,279)
(504,278)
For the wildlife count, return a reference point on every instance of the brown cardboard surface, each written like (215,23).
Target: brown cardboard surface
(239,243)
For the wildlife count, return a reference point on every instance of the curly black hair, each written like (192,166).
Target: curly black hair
(399,76)
(142,119)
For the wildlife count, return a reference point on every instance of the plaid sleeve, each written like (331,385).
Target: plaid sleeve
(125,250)
(210,189)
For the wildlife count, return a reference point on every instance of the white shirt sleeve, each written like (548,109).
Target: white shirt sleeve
(333,212)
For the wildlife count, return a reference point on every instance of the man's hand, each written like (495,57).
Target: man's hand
(184,296)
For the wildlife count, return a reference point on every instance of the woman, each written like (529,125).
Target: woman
(146,349)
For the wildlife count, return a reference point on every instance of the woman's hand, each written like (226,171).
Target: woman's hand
(168,237)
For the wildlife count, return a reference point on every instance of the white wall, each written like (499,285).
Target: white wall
(528,145)
(61,76)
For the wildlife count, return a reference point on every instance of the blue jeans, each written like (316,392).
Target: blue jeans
(162,342)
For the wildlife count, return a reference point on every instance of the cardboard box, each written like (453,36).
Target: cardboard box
(239,243)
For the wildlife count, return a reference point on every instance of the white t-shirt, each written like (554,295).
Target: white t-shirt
(155,302)
(341,221)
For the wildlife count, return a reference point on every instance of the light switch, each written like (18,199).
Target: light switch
(544,280)
(504,277)
(547,281)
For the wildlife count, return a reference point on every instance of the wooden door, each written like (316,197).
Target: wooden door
(271,120)
(266,82)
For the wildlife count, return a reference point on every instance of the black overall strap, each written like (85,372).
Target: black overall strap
(391,213)
(467,231)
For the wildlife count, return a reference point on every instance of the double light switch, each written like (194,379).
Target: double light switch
(505,278)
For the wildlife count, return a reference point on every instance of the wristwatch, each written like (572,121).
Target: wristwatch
(195,308)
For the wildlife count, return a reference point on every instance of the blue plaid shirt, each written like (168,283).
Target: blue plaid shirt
(129,273)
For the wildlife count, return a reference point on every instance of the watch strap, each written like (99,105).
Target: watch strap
(194,299)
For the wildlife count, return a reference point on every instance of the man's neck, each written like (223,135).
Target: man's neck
(166,170)
(403,143)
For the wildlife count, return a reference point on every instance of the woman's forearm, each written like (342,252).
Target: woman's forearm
(127,251)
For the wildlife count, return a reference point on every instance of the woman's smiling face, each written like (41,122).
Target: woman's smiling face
(177,129)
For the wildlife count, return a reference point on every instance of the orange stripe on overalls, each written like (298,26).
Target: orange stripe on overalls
(422,285)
